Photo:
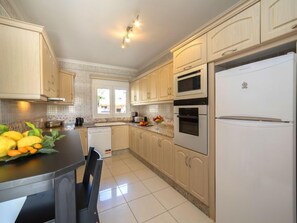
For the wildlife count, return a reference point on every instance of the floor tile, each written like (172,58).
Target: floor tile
(155,184)
(116,163)
(105,173)
(110,198)
(134,191)
(144,174)
(107,183)
(120,214)
(119,170)
(126,178)
(146,208)
(188,213)
(136,166)
(163,218)
(169,198)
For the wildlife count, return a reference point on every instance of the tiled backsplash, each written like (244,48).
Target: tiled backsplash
(165,110)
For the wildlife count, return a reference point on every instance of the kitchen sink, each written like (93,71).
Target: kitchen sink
(110,123)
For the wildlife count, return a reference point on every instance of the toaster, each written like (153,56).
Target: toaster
(138,119)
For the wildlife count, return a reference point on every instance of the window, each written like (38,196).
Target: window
(110,98)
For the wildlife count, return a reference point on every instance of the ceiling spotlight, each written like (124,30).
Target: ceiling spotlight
(129,31)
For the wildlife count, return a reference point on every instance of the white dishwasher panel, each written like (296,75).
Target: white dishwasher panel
(100,139)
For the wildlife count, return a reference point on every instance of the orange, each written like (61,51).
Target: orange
(23,150)
(37,146)
(29,147)
(32,151)
(13,152)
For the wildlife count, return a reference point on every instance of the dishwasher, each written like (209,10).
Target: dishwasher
(100,139)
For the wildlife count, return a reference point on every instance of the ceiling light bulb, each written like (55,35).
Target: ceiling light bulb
(123,46)
(127,39)
(137,23)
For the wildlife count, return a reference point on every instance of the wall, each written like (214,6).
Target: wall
(82,106)
(165,110)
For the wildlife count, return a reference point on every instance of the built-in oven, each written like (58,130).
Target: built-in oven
(191,83)
(191,124)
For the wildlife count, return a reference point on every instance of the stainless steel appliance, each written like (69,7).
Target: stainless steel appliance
(190,126)
(134,114)
(139,119)
(191,83)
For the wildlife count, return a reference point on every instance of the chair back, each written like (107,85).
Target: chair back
(94,169)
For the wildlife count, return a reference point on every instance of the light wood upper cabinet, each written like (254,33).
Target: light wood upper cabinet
(240,32)
(191,172)
(83,133)
(66,89)
(153,83)
(190,55)
(143,89)
(166,90)
(278,17)
(120,137)
(28,68)
(135,92)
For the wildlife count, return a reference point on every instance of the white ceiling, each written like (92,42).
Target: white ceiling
(92,30)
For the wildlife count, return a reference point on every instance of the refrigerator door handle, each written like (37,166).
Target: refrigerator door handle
(251,118)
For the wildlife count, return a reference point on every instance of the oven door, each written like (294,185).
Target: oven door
(190,127)
(191,83)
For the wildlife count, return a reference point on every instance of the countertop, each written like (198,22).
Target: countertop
(166,130)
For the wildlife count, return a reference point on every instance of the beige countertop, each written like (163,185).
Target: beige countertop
(166,130)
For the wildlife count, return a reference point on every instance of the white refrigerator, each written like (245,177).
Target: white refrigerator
(256,142)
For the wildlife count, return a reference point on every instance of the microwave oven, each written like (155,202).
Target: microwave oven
(191,83)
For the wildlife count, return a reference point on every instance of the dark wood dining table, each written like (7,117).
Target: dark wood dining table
(42,172)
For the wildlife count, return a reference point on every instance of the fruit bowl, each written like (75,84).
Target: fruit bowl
(158,119)
(14,145)
(143,123)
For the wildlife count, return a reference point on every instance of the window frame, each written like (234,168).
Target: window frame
(112,85)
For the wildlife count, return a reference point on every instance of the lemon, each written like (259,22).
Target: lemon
(25,133)
(16,136)
(28,141)
(6,144)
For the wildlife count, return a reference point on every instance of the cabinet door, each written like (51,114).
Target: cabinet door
(135,92)
(137,142)
(119,137)
(83,133)
(46,70)
(190,55)
(278,17)
(181,167)
(156,148)
(238,33)
(66,89)
(199,176)
(153,80)
(166,82)
(146,139)
(143,89)
(132,138)
(168,157)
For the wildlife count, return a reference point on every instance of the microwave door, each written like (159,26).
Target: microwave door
(189,83)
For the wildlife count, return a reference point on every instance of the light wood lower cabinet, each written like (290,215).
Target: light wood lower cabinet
(119,137)
(278,17)
(145,145)
(191,172)
(167,165)
(156,148)
(83,133)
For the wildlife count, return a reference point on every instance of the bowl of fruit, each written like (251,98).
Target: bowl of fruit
(14,144)
(143,123)
(158,120)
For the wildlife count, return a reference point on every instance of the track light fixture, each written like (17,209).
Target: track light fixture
(129,31)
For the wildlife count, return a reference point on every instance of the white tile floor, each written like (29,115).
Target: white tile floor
(131,193)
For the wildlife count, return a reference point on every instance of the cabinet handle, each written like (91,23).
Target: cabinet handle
(229,51)
(159,142)
(186,159)
(294,26)
(187,68)
(190,159)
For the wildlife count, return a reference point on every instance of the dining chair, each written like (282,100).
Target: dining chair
(41,207)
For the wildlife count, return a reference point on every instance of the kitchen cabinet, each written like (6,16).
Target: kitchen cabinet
(143,89)
(135,92)
(66,89)
(132,139)
(239,32)
(27,63)
(153,83)
(191,172)
(166,89)
(156,147)
(278,17)
(190,55)
(119,137)
(145,145)
(167,166)
(83,133)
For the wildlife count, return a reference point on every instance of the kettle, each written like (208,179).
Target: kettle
(79,121)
